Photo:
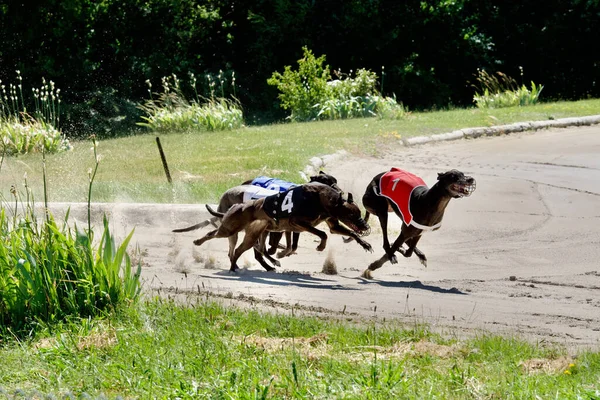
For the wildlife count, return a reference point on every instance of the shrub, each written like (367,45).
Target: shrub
(500,90)
(171,111)
(22,131)
(309,93)
(300,90)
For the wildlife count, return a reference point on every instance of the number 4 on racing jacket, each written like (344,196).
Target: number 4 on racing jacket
(294,202)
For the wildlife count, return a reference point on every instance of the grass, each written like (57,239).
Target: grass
(204,165)
(206,350)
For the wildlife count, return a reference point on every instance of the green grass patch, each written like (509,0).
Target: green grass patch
(204,350)
(205,164)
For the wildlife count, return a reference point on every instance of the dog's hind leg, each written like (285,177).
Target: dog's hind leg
(261,260)
(210,235)
(289,249)
(232,242)
(260,253)
(274,238)
(412,247)
(253,232)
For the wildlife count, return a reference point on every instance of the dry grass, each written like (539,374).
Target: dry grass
(546,366)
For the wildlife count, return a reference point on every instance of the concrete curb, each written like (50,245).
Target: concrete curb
(469,133)
(317,163)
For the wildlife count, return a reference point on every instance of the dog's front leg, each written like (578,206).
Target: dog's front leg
(335,227)
(383,221)
(304,227)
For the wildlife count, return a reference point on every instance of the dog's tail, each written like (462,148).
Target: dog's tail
(215,213)
(202,224)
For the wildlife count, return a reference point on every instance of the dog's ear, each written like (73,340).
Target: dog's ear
(350,200)
(321,173)
(440,174)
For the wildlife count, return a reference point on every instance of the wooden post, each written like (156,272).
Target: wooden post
(164,160)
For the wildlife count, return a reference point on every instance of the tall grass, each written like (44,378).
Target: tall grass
(500,90)
(50,271)
(36,129)
(172,111)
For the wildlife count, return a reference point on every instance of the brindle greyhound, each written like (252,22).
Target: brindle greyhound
(246,191)
(420,208)
(282,186)
(299,209)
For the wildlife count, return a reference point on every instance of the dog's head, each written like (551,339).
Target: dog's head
(326,179)
(349,214)
(457,183)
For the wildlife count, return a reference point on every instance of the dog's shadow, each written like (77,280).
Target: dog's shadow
(411,285)
(280,279)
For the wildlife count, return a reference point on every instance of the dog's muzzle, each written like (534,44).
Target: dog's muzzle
(363,232)
(467,189)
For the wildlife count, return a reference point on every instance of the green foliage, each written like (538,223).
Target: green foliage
(302,89)
(50,272)
(309,93)
(500,90)
(162,349)
(103,51)
(171,111)
(24,131)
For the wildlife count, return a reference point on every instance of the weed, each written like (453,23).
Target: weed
(23,131)
(172,111)
(500,90)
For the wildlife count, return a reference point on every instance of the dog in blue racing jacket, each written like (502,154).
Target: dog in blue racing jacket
(298,209)
(280,185)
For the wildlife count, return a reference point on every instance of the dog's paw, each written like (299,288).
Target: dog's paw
(393,259)
(198,242)
(321,247)
(367,247)
(284,253)
(423,261)
(367,274)
(347,239)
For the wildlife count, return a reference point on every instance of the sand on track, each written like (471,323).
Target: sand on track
(521,256)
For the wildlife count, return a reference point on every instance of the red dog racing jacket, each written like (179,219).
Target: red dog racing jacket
(397,186)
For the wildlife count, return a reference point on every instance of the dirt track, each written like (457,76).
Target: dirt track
(534,217)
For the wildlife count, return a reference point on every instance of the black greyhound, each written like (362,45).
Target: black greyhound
(420,208)
(292,238)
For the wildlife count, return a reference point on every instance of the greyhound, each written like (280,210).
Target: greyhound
(281,185)
(299,209)
(420,208)
(255,189)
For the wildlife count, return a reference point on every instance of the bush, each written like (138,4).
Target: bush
(300,90)
(171,111)
(500,90)
(309,93)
